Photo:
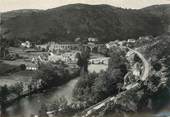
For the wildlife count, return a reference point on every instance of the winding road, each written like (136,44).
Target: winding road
(146,66)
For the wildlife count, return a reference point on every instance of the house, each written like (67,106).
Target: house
(26,44)
(63,46)
(122,43)
(42,47)
(110,44)
(91,39)
(131,40)
(101,60)
(147,38)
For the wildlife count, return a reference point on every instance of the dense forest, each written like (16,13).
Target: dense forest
(73,21)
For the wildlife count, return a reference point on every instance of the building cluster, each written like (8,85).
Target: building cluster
(68,57)
(66,52)
(64,46)
(100,60)
(128,43)
(53,46)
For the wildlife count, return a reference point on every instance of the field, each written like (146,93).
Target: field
(18,76)
(22,76)
(5,67)
(97,68)
(26,56)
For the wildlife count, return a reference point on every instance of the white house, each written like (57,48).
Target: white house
(26,44)
(110,44)
(101,60)
(131,41)
(91,39)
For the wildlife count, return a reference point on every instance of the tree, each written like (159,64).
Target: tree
(4,92)
(17,88)
(43,111)
(103,50)
(23,67)
(93,87)
(117,62)
(101,87)
(3,51)
(82,90)
(83,59)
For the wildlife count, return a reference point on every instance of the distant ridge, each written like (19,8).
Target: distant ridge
(68,22)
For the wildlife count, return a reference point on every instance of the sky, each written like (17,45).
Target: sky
(8,5)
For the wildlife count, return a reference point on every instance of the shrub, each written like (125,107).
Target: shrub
(23,67)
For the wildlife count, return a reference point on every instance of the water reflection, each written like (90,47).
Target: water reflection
(31,104)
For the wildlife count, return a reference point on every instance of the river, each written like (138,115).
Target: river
(31,104)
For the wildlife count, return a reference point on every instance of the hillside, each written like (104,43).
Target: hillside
(162,11)
(80,20)
(158,9)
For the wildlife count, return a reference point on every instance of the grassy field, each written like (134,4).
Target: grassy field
(18,62)
(18,76)
(5,67)
(24,52)
(26,76)
(97,68)
(25,57)
(22,76)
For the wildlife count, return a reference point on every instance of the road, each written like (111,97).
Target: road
(90,110)
(145,64)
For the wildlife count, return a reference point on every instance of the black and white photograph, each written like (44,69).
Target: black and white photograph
(84,58)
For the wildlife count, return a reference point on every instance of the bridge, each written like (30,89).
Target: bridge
(101,105)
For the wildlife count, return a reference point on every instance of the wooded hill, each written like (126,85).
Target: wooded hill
(80,20)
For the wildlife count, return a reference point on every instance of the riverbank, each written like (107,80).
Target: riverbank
(57,83)
(32,104)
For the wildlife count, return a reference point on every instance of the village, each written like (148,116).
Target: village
(99,58)
(22,68)
(30,56)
